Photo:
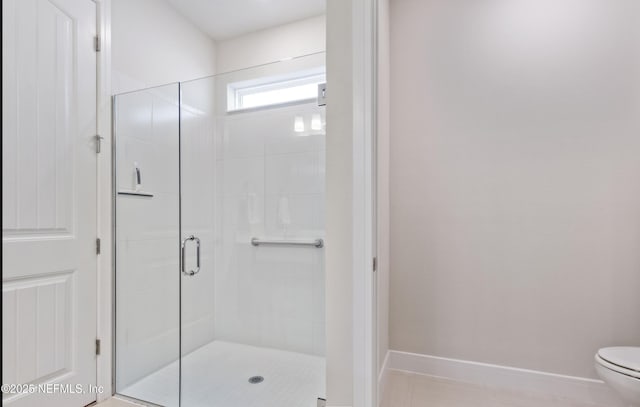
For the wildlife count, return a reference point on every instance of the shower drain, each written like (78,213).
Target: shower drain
(256,379)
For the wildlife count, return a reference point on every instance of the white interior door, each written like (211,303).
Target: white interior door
(49,200)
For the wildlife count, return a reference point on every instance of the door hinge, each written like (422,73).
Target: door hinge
(98,242)
(374,264)
(99,139)
(96,43)
(97,347)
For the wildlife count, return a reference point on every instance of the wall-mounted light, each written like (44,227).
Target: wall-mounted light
(298,124)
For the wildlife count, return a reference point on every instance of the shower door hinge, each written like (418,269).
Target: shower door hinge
(97,347)
(374,264)
(99,139)
(322,402)
(96,43)
(98,246)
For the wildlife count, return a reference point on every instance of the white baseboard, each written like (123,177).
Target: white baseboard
(577,389)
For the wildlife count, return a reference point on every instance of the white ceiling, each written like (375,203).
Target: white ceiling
(223,19)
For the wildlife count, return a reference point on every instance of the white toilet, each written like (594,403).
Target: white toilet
(619,367)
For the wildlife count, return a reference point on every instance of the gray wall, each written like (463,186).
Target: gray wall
(515,180)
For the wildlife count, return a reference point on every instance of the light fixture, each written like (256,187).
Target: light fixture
(298,125)
(316,122)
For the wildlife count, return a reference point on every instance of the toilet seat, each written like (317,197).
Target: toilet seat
(624,360)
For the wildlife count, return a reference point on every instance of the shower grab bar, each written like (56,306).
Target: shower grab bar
(319,243)
(183,257)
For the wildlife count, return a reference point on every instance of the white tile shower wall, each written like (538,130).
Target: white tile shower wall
(270,185)
(147,234)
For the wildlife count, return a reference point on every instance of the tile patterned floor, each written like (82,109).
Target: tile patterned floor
(217,374)
(407,389)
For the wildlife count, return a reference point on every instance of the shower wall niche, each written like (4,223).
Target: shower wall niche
(205,169)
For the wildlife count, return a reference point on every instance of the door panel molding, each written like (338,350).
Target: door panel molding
(49,200)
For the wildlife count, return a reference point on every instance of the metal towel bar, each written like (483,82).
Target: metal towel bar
(319,243)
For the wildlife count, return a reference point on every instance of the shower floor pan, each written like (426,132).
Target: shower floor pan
(225,374)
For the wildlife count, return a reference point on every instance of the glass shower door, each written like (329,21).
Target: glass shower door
(198,239)
(219,227)
(252,211)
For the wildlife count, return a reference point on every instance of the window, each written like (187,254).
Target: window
(273,91)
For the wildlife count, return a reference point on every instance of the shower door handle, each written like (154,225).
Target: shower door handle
(183,257)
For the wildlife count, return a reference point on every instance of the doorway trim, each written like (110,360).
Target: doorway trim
(364,71)
(364,34)
(104,289)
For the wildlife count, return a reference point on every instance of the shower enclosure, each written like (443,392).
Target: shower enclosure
(219,228)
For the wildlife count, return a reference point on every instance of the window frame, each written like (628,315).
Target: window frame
(238,90)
